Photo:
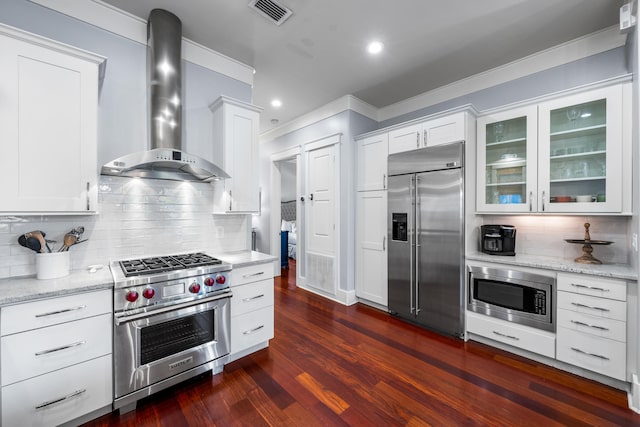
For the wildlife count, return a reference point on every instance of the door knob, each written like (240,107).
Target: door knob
(302,199)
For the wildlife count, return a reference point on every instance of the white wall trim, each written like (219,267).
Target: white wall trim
(573,50)
(323,142)
(347,102)
(286,154)
(117,21)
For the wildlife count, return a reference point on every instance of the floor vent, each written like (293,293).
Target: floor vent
(271,10)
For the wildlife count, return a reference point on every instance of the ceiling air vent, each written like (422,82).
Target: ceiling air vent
(272,10)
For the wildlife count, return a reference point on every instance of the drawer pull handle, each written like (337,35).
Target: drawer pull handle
(602,328)
(577,304)
(506,336)
(60,399)
(66,310)
(64,347)
(250,331)
(253,275)
(591,288)
(577,350)
(252,298)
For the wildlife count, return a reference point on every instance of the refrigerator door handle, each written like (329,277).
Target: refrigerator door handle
(416,225)
(412,228)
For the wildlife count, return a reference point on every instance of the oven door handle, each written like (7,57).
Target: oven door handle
(120,319)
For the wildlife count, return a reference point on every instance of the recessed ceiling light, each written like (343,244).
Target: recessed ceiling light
(276,103)
(375,47)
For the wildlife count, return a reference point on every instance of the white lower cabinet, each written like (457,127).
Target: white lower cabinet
(524,337)
(56,359)
(252,313)
(592,324)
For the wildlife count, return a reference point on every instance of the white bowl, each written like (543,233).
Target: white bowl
(584,199)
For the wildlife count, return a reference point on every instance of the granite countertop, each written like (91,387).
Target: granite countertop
(21,289)
(617,271)
(245,258)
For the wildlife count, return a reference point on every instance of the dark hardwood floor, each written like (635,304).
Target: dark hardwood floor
(331,365)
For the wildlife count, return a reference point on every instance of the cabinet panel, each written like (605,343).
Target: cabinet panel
(507,161)
(445,130)
(530,339)
(37,352)
(607,357)
(594,306)
(405,139)
(59,396)
(251,328)
(580,152)
(371,247)
(48,312)
(594,286)
(236,134)
(252,296)
(593,325)
(372,163)
(48,118)
(252,273)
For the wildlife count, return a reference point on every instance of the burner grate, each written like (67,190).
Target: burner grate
(137,267)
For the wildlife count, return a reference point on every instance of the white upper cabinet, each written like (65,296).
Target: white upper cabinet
(372,163)
(48,125)
(236,133)
(570,154)
(437,131)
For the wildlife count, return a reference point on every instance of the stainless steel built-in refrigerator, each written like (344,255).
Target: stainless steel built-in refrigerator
(425,233)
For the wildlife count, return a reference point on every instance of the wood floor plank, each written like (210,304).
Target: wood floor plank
(335,365)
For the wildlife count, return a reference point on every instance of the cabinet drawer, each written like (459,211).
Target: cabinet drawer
(251,296)
(601,355)
(251,328)
(594,286)
(598,326)
(42,313)
(445,130)
(251,274)
(530,339)
(37,352)
(599,307)
(87,387)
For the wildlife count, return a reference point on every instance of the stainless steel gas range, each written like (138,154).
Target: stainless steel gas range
(171,316)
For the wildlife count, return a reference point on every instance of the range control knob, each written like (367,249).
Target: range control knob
(148,293)
(209,281)
(194,288)
(132,296)
(220,279)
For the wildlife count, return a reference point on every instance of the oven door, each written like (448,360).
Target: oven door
(511,295)
(153,346)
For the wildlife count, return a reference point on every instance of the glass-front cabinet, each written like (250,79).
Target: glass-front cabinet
(564,155)
(580,152)
(507,150)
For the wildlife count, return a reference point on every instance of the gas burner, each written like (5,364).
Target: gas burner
(137,267)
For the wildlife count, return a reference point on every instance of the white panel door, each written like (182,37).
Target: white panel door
(371,246)
(320,204)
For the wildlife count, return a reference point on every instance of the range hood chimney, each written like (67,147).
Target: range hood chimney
(165,158)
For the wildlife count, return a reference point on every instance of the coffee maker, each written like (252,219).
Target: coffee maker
(498,239)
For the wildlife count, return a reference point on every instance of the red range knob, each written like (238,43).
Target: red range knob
(148,293)
(132,296)
(220,279)
(209,281)
(194,288)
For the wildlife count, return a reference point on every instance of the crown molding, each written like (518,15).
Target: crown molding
(117,21)
(591,44)
(347,102)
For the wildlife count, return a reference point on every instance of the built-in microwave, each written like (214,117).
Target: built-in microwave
(512,295)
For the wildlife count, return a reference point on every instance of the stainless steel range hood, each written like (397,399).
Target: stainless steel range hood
(165,159)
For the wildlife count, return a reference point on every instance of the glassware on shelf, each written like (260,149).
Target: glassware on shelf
(498,131)
(573,114)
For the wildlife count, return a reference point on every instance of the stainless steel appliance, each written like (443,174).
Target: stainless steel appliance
(165,158)
(171,316)
(516,296)
(498,239)
(425,229)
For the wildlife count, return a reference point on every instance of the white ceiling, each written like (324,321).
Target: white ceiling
(318,54)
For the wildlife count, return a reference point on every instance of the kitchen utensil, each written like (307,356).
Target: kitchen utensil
(35,241)
(34,244)
(69,240)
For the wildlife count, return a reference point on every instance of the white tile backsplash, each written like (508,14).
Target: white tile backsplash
(137,217)
(545,235)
